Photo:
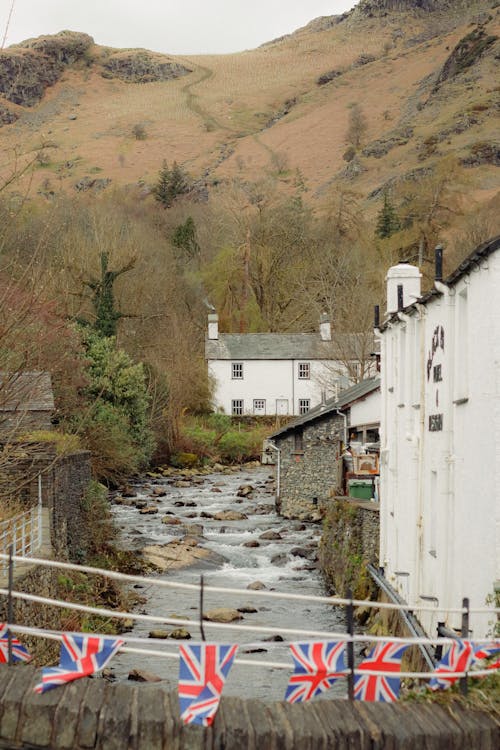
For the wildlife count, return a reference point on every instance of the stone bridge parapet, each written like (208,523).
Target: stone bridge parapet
(93,713)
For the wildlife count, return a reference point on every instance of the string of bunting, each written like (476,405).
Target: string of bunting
(204,668)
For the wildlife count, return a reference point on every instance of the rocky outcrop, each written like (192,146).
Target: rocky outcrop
(382,7)
(141,66)
(466,53)
(7,116)
(27,69)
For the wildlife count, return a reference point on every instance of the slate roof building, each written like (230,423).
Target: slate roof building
(308,449)
(282,373)
(440,438)
(26,403)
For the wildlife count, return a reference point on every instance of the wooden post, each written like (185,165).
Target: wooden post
(464,687)
(350,645)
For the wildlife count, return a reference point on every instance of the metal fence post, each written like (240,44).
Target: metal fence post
(40,537)
(464,687)
(350,645)
(10,608)
(202,630)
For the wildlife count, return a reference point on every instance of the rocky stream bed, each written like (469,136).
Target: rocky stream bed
(223,525)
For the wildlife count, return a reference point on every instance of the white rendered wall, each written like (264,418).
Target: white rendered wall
(271,380)
(366,411)
(440,489)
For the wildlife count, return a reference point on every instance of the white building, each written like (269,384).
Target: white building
(278,373)
(440,439)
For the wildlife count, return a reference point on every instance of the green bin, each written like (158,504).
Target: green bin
(361,488)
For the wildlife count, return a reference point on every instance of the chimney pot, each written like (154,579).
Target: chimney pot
(325,328)
(213,326)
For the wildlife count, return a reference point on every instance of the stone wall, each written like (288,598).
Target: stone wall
(350,540)
(64,482)
(91,713)
(310,467)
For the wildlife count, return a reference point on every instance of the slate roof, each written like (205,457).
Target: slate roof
(26,391)
(472,261)
(273,346)
(346,398)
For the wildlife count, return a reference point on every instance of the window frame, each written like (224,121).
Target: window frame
(303,368)
(304,407)
(236,370)
(237,411)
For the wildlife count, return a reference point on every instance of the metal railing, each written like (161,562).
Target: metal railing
(22,534)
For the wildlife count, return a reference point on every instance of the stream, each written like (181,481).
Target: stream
(284,564)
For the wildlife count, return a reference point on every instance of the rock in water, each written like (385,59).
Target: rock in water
(222,614)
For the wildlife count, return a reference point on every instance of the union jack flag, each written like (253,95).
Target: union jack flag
(80,656)
(458,658)
(485,650)
(317,665)
(385,657)
(203,670)
(19,652)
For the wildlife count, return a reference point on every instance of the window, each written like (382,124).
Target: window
(304,370)
(237,407)
(304,405)
(259,406)
(298,443)
(237,370)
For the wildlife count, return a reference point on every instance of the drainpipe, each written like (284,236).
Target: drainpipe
(278,470)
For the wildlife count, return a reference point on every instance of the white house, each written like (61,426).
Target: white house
(440,438)
(280,373)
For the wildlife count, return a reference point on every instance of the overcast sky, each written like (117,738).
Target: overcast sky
(171,26)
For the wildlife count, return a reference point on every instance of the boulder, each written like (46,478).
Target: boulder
(256,586)
(279,559)
(177,554)
(251,543)
(161,634)
(193,529)
(245,490)
(222,614)
(180,634)
(230,515)
(151,510)
(247,609)
(159,492)
(171,520)
(140,675)
(270,535)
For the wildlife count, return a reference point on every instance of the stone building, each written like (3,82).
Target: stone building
(26,403)
(308,450)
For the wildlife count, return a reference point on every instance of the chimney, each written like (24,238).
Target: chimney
(325,329)
(213,326)
(406,276)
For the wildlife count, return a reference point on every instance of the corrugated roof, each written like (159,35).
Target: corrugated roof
(234,346)
(26,391)
(346,398)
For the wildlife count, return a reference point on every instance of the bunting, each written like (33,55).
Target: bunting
(80,656)
(19,652)
(385,657)
(317,666)
(458,658)
(203,670)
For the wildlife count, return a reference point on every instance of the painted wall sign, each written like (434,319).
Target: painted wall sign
(435,422)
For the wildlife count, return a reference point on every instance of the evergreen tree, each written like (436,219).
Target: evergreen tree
(387,220)
(171,183)
(184,238)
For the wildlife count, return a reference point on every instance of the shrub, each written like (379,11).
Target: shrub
(139,132)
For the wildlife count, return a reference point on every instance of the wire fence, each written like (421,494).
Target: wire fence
(136,644)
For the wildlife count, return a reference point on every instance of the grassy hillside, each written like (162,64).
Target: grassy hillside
(116,114)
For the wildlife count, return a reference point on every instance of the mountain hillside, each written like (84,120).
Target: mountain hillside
(422,73)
